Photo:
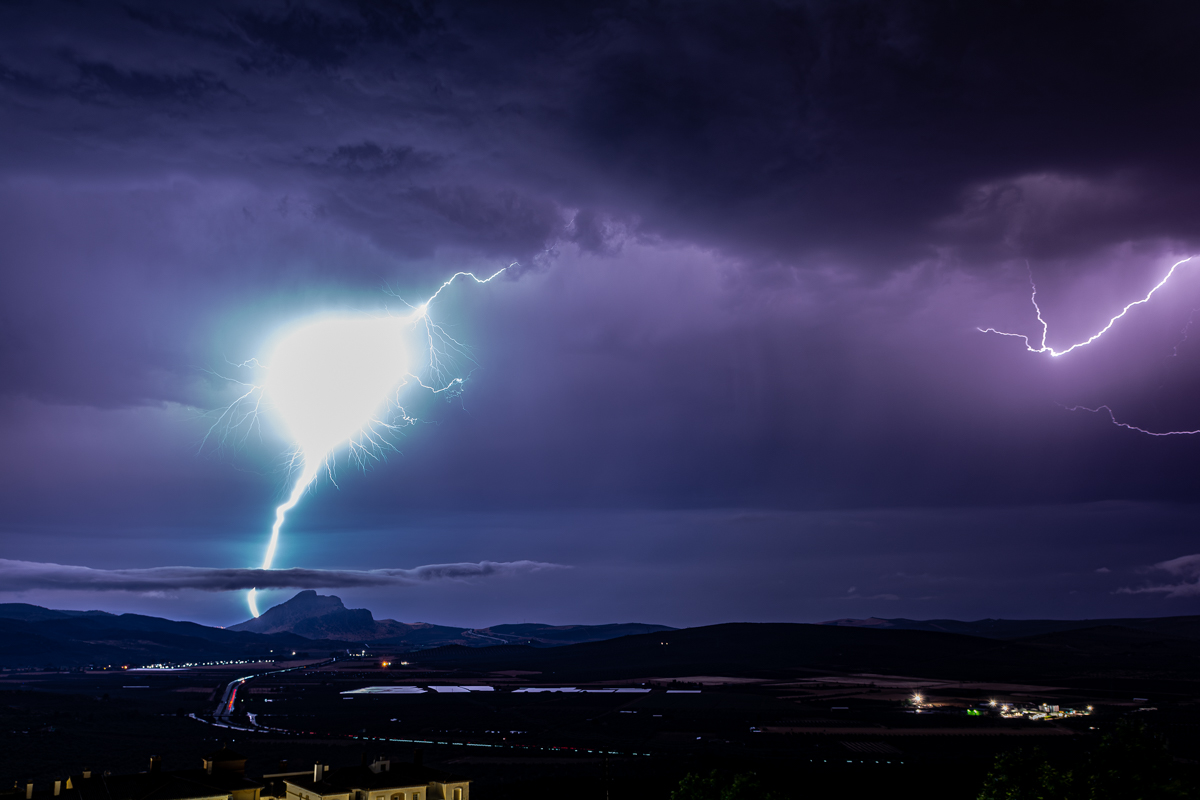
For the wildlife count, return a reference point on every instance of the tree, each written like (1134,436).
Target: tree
(1026,775)
(697,787)
(740,786)
(1133,763)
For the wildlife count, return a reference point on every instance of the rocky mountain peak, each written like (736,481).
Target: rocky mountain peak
(316,616)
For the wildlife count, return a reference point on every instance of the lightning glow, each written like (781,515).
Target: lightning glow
(335,381)
(1045,348)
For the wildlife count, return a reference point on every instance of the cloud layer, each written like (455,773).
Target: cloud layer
(19,576)
(1183,567)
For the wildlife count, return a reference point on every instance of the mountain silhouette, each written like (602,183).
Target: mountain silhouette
(319,616)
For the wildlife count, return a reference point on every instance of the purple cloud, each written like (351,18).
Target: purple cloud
(1182,567)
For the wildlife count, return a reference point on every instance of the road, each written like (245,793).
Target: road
(224,709)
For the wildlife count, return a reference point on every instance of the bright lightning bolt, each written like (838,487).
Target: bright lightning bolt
(1113,418)
(335,381)
(1045,348)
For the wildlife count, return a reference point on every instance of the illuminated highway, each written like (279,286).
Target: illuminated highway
(228,700)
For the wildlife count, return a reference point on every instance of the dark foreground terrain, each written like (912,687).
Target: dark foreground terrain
(815,711)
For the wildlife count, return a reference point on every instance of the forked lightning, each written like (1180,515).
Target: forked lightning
(336,380)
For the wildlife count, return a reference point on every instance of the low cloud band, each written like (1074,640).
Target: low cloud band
(16,576)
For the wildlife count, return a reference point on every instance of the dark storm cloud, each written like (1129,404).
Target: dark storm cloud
(23,576)
(181,160)
(788,130)
(369,159)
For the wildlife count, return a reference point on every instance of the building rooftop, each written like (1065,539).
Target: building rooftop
(388,776)
(224,755)
(192,784)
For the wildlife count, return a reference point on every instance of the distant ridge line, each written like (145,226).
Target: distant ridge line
(1185,627)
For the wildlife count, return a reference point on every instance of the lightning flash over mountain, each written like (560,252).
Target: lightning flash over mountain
(1042,347)
(336,381)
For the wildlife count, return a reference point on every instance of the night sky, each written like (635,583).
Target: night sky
(735,371)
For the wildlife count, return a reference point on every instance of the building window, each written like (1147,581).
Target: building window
(398,797)
(458,794)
